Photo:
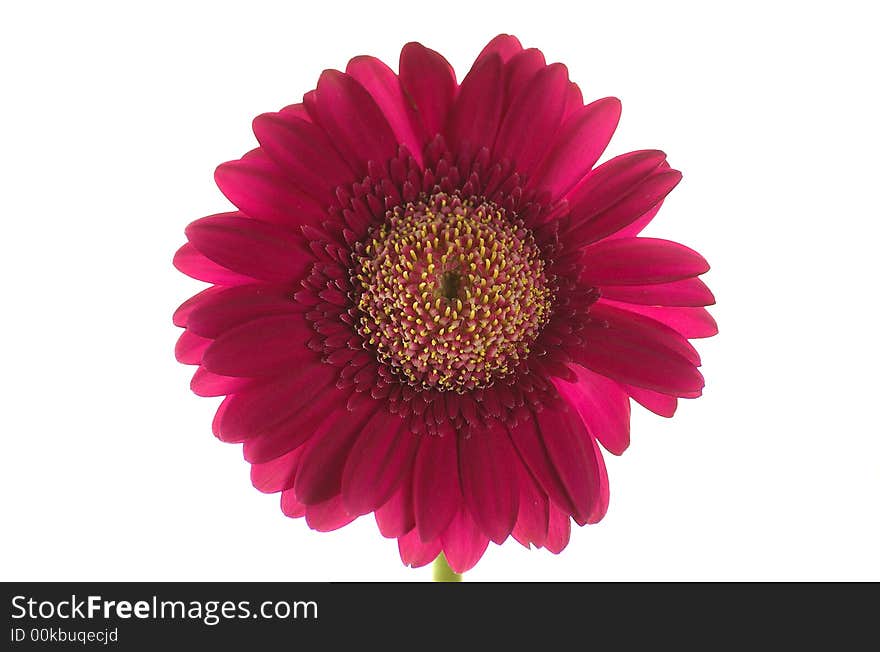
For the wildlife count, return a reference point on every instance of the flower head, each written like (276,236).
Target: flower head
(431,306)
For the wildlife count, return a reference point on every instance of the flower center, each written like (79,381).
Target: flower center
(451,292)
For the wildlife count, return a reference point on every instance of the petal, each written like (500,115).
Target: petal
(194,264)
(519,71)
(416,553)
(577,147)
(568,447)
(321,468)
(429,83)
(536,110)
(686,292)
(267,346)
(436,487)
(490,480)
(384,87)
(290,506)
(504,45)
(644,196)
(476,113)
(328,516)
(261,190)
(641,327)
(262,251)
(231,307)
(395,518)
(205,383)
(639,261)
(660,404)
(558,530)
(603,406)
(304,153)
(354,122)
(190,348)
(601,507)
(183,312)
(379,460)
(463,542)
(627,358)
(689,322)
(278,474)
(532,519)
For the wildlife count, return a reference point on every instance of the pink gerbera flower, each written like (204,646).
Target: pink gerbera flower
(430,306)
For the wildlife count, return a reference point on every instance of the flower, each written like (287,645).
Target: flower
(431,306)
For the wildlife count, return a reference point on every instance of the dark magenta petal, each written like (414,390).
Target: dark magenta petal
(261,190)
(324,458)
(183,312)
(519,71)
(537,110)
(603,406)
(429,83)
(266,346)
(193,263)
(647,194)
(205,383)
(463,542)
(395,518)
(416,553)
(190,348)
(278,474)
(380,458)
(660,404)
(476,113)
(504,45)
(578,145)
(534,512)
(621,318)
(231,307)
(262,251)
(490,480)
(329,515)
(353,120)
(639,261)
(558,530)
(686,292)
(600,507)
(384,87)
(291,506)
(626,357)
(436,487)
(690,322)
(568,447)
(304,153)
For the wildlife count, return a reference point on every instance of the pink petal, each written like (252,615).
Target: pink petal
(384,87)
(304,153)
(258,408)
(476,113)
(278,474)
(194,264)
(574,101)
(261,190)
(436,487)
(354,122)
(558,530)
(181,315)
(519,71)
(429,83)
(291,506)
(686,292)
(639,261)
(266,346)
(645,195)
(379,460)
(190,348)
(328,516)
(463,542)
(320,471)
(627,358)
(490,480)
(262,251)
(231,307)
(568,447)
(416,553)
(620,317)
(601,506)
(578,145)
(531,521)
(660,404)
(690,322)
(205,383)
(395,518)
(602,405)
(504,45)
(537,110)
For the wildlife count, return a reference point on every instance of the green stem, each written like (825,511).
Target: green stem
(442,572)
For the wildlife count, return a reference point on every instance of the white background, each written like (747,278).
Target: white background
(112,120)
